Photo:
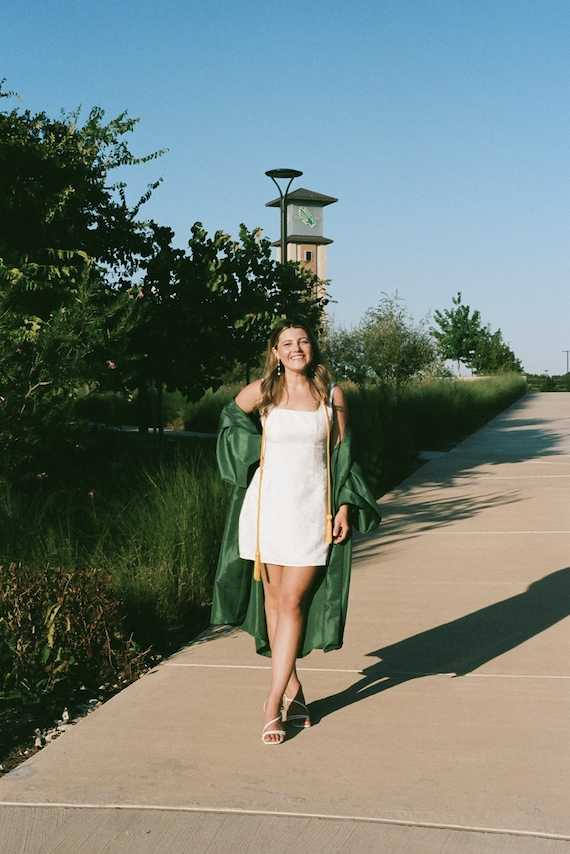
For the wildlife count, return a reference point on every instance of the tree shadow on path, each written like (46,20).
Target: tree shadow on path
(431,512)
(461,646)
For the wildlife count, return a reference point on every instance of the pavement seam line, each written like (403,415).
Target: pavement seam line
(256,667)
(489,533)
(436,531)
(228,811)
(362,673)
(518,477)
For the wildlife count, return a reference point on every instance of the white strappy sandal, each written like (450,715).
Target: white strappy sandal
(265,732)
(291,718)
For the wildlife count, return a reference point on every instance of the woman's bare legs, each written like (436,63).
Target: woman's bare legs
(286,590)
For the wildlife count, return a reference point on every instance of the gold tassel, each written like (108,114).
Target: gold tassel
(257,561)
(329,526)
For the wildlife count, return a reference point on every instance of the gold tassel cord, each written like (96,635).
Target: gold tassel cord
(257,562)
(329,525)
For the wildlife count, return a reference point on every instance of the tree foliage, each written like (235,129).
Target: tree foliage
(462,337)
(386,349)
(458,333)
(264,291)
(493,355)
(55,191)
(67,242)
(202,309)
(92,296)
(58,329)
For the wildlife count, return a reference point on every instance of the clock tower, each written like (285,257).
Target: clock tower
(305,240)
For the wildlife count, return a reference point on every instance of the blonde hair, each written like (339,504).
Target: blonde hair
(273,383)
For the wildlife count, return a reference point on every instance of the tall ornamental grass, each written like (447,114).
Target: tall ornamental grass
(161,545)
(153,531)
(390,431)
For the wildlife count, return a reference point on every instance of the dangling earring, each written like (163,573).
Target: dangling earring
(279,368)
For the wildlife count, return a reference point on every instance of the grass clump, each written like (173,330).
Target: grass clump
(149,524)
(161,545)
(59,628)
(390,432)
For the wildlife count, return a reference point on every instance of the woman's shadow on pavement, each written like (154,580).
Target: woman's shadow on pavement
(461,646)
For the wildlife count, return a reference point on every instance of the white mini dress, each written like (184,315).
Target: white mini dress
(293,510)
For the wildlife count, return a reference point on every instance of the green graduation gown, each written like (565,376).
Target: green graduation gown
(238,599)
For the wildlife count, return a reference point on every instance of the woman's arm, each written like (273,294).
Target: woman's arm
(249,397)
(341,524)
(340,415)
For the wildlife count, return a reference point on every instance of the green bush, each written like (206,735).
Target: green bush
(112,407)
(59,628)
(152,523)
(545,382)
(120,408)
(203,416)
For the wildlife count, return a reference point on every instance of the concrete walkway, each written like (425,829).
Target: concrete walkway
(441,726)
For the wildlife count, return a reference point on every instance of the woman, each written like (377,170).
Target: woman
(291,519)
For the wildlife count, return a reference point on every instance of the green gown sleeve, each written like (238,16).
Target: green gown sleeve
(238,446)
(237,451)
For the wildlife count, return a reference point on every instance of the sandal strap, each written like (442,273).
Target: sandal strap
(304,717)
(299,703)
(272,732)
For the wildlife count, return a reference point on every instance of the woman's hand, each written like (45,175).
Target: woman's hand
(341,525)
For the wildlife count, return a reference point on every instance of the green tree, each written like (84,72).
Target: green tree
(265,291)
(55,191)
(45,357)
(493,355)
(459,332)
(202,310)
(182,321)
(91,295)
(346,354)
(68,242)
(386,349)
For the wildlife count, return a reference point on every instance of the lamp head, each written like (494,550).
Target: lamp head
(283,173)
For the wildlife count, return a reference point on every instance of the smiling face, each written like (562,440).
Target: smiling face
(294,349)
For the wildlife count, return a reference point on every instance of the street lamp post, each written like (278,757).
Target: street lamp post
(567,366)
(286,174)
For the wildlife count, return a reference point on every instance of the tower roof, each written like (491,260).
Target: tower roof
(309,239)
(303,195)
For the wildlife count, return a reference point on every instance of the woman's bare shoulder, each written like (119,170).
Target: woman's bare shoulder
(338,397)
(249,397)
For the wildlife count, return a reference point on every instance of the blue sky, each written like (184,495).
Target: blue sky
(442,126)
